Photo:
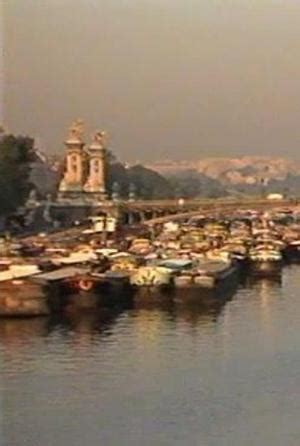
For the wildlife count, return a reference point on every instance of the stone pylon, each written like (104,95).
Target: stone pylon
(73,178)
(96,180)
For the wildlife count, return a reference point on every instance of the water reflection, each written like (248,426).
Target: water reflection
(99,323)
(87,326)
(169,373)
(20,334)
(205,313)
(263,283)
(15,333)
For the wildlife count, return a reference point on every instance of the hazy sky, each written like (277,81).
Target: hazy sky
(166,78)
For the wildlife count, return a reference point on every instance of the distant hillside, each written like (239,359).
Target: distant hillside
(248,170)
(209,177)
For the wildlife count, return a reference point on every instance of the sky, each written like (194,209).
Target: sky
(167,79)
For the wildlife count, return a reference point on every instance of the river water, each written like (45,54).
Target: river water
(225,373)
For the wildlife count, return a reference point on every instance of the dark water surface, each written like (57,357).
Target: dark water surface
(213,375)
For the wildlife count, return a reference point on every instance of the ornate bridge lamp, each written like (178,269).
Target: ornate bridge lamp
(132,192)
(116,191)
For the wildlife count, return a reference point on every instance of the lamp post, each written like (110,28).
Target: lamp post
(115,191)
(132,192)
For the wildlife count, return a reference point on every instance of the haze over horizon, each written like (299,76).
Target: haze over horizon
(167,79)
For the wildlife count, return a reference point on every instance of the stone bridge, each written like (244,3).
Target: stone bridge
(158,211)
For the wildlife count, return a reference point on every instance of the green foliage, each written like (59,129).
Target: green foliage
(191,184)
(148,184)
(117,173)
(16,155)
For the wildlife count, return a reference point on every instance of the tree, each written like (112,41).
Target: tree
(192,184)
(149,184)
(16,156)
(117,173)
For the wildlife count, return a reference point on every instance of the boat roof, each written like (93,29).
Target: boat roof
(213,266)
(61,273)
(116,275)
(120,255)
(106,251)
(176,263)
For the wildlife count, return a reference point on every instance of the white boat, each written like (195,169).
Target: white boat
(83,256)
(265,260)
(208,274)
(218,255)
(211,279)
(265,255)
(19,295)
(176,264)
(18,272)
(22,298)
(213,273)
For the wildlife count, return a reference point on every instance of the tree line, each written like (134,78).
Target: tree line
(16,156)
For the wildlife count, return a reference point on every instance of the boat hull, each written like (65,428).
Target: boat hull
(87,292)
(292,253)
(207,288)
(266,268)
(22,298)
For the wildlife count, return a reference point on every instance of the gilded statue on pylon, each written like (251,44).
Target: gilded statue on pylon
(100,138)
(76,130)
